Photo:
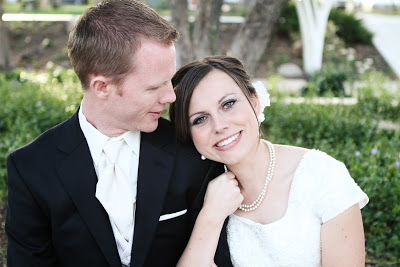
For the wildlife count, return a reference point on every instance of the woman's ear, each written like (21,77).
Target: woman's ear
(255,103)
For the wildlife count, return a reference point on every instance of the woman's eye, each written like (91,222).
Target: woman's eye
(199,120)
(229,103)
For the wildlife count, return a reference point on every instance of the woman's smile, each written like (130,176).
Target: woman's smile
(229,142)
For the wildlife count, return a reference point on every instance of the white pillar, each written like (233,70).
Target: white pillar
(313,16)
(367,5)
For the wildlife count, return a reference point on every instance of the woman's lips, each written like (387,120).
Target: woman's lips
(229,142)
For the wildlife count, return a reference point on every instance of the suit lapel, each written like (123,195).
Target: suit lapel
(155,169)
(79,179)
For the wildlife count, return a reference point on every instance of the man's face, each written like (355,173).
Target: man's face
(137,103)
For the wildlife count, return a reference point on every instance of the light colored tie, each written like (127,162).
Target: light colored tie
(114,191)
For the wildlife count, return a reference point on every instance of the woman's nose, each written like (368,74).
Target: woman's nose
(220,124)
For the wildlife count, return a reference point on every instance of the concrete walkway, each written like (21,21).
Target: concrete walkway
(386,30)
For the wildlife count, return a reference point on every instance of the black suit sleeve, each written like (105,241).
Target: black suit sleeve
(27,227)
(222,255)
(214,171)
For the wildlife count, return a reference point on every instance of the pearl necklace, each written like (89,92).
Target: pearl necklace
(260,198)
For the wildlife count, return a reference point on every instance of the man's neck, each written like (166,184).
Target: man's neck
(97,116)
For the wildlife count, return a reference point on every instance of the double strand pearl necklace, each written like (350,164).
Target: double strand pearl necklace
(260,198)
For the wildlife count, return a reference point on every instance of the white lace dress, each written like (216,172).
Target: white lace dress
(321,189)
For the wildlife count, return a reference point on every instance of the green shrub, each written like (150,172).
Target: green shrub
(350,29)
(329,84)
(288,24)
(30,104)
(375,96)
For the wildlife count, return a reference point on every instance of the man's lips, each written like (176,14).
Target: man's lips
(155,114)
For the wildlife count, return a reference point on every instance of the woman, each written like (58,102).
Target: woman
(287,206)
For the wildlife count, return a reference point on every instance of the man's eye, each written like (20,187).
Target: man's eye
(229,103)
(199,120)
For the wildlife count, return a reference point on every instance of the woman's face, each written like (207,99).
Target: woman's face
(222,122)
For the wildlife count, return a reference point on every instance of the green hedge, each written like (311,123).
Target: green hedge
(34,102)
(30,104)
(350,28)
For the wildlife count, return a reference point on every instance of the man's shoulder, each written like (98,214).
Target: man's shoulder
(163,136)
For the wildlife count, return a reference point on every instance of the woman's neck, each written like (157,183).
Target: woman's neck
(251,173)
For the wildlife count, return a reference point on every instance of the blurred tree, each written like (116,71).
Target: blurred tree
(205,38)
(252,38)
(249,43)
(206,28)
(5,53)
(180,15)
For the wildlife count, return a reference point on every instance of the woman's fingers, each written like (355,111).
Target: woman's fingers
(223,195)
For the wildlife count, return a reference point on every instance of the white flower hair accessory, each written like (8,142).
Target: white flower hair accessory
(263,98)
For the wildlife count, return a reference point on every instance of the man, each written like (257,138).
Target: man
(109,186)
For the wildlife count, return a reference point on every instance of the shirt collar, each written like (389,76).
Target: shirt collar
(96,140)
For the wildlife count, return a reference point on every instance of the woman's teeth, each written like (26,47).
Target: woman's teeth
(228,141)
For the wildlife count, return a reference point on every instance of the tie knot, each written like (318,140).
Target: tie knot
(112,148)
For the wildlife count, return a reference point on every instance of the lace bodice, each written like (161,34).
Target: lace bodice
(321,189)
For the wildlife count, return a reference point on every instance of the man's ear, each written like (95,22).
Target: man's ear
(255,103)
(100,85)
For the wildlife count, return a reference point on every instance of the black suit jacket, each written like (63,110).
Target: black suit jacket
(54,218)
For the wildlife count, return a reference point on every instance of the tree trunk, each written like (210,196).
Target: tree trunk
(5,55)
(252,38)
(180,20)
(206,28)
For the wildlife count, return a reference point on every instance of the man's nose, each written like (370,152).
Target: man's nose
(168,94)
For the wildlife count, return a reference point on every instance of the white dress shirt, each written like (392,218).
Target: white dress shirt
(128,160)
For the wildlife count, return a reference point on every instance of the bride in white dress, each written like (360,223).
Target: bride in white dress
(287,206)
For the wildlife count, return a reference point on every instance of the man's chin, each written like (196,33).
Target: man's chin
(150,127)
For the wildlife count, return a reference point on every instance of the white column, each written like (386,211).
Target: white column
(313,16)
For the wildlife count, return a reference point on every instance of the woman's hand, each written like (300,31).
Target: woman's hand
(223,197)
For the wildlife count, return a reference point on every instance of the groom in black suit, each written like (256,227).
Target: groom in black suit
(70,202)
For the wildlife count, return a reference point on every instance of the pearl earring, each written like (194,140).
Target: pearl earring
(203,158)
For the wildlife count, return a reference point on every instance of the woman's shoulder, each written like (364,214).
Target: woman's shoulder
(288,158)
(291,154)
(291,157)
(291,151)
(296,153)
